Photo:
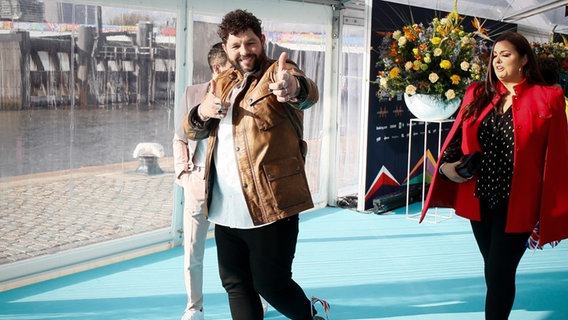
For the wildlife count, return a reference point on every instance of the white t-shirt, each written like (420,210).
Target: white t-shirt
(200,153)
(228,206)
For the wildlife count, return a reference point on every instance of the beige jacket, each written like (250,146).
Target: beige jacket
(184,148)
(267,138)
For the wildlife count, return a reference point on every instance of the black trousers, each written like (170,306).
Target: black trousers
(501,253)
(259,261)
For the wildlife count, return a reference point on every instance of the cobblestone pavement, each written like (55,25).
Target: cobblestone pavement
(51,212)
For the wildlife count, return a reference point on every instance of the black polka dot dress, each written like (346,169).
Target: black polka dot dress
(496,135)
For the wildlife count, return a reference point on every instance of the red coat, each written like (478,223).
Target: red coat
(539,187)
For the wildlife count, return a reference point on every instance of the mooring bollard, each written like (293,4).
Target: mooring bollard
(148,154)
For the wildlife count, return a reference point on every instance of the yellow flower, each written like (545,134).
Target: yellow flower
(410,89)
(445,64)
(394,72)
(464,65)
(436,40)
(455,79)
(408,65)
(384,82)
(437,52)
(433,77)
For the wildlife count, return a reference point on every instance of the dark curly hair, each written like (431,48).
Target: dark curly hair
(238,21)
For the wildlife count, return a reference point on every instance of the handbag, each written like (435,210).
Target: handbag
(453,151)
(470,165)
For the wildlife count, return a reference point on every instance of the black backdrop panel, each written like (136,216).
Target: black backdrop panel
(387,144)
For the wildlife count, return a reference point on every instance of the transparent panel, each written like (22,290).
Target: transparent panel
(305,44)
(86,101)
(350,108)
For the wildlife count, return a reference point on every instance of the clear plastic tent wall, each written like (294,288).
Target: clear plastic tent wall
(86,171)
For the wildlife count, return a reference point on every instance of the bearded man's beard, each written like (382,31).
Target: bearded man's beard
(257,61)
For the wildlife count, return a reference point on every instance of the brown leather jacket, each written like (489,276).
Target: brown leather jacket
(268,142)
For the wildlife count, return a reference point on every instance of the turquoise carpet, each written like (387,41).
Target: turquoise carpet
(366,266)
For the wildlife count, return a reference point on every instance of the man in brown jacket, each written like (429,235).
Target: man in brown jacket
(257,184)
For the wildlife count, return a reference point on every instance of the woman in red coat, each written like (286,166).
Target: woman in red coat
(519,126)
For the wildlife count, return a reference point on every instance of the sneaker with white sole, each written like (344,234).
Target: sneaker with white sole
(193,315)
(325,307)
(264,306)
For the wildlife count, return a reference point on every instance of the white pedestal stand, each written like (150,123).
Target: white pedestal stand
(435,216)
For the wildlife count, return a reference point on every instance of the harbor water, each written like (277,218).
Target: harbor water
(35,141)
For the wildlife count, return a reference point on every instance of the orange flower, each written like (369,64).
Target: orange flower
(455,79)
(410,34)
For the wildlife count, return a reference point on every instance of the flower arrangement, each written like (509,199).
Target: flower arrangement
(439,59)
(555,50)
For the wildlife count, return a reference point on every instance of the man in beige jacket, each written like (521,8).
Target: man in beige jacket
(189,163)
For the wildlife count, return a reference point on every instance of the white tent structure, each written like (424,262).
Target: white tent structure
(536,19)
(339,31)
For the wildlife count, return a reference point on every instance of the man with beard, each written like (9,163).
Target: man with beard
(257,184)
(189,160)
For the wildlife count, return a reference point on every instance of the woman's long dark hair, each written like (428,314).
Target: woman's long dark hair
(485,92)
